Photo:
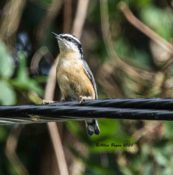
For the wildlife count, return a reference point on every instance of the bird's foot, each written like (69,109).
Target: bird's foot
(84,98)
(47,101)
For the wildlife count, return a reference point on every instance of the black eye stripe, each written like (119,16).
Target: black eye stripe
(72,40)
(69,39)
(77,43)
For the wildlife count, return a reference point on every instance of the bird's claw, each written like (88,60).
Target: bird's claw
(47,101)
(84,98)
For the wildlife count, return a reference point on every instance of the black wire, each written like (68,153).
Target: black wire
(137,109)
(137,103)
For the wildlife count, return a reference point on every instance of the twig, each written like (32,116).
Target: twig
(51,82)
(10,150)
(12,13)
(168,47)
(80,17)
(37,57)
(53,130)
(148,130)
(67,15)
(132,71)
(105,26)
(58,148)
(145,29)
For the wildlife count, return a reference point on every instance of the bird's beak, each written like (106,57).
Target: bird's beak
(57,36)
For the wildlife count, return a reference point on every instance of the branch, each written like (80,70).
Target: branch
(67,15)
(80,17)
(12,13)
(145,29)
(117,62)
(52,127)
(10,150)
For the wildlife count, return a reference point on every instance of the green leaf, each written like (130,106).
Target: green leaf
(3,133)
(160,158)
(168,128)
(74,127)
(6,62)
(159,20)
(7,94)
(141,3)
(23,81)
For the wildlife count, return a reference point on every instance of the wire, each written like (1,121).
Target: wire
(137,103)
(136,109)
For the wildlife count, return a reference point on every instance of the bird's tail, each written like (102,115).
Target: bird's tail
(92,127)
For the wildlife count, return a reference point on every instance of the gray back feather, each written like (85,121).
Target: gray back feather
(90,76)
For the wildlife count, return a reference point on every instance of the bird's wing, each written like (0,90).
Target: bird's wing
(90,76)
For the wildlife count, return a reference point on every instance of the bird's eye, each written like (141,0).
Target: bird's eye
(68,39)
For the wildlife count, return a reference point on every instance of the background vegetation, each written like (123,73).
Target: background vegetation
(128,45)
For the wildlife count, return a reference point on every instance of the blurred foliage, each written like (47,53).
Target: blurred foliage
(152,15)
(124,147)
(7,95)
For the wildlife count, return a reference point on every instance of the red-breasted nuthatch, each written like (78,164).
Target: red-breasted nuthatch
(75,79)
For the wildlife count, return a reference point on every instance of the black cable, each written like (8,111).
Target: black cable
(79,112)
(137,103)
(137,109)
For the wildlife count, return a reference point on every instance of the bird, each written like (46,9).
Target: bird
(74,77)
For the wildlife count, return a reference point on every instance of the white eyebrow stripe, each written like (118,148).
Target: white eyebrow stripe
(71,36)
